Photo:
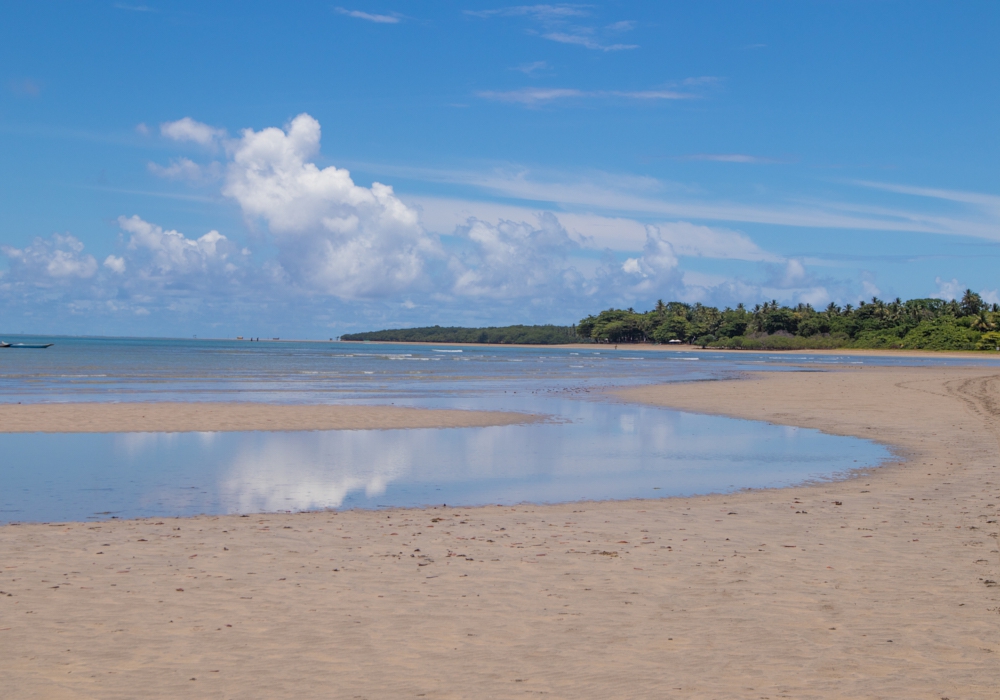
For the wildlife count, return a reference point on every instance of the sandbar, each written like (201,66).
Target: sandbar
(175,417)
(882,584)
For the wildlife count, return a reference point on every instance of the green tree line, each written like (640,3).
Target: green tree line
(918,324)
(524,335)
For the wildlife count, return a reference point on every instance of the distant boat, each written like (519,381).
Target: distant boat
(25,346)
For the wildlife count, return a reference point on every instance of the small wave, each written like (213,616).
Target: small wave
(436,350)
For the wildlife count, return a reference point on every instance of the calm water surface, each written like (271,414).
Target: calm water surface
(589,450)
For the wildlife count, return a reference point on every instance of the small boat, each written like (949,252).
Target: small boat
(26,346)
(4,345)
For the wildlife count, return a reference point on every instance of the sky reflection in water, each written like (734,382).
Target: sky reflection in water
(598,451)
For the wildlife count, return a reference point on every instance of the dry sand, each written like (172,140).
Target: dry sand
(208,417)
(879,586)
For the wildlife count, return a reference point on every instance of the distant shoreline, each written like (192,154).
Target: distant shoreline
(622,347)
(682,348)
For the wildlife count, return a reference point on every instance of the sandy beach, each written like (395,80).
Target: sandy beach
(178,417)
(882,585)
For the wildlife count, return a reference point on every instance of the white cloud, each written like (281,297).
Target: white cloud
(947,290)
(586,41)
(59,258)
(658,257)
(815,296)
(187,129)
(513,259)
(378,19)
(534,96)
(795,273)
(697,241)
(990,296)
(332,234)
(115,264)
(869,289)
(186,169)
(730,158)
(645,197)
(556,21)
(626,25)
(990,201)
(531,68)
(546,13)
(597,232)
(170,253)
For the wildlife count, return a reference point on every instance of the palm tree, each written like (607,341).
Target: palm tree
(983,323)
(971,303)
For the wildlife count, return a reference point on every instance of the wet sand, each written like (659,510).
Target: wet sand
(179,417)
(881,585)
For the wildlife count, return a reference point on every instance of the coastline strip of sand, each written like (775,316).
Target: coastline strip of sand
(970,356)
(881,585)
(169,417)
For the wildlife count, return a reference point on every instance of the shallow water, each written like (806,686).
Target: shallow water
(593,449)
(124,369)
(598,451)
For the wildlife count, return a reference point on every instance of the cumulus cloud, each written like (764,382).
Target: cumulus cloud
(187,129)
(514,259)
(658,257)
(947,290)
(332,235)
(115,264)
(58,258)
(171,253)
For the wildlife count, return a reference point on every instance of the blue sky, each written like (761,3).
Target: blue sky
(309,169)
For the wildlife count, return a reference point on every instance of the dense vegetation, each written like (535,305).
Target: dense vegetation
(924,324)
(527,335)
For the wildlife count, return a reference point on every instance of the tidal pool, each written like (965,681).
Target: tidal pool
(589,450)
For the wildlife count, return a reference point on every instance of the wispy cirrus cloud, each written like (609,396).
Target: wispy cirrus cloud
(731,158)
(586,40)
(531,68)
(536,96)
(990,201)
(545,13)
(368,16)
(562,23)
(648,197)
